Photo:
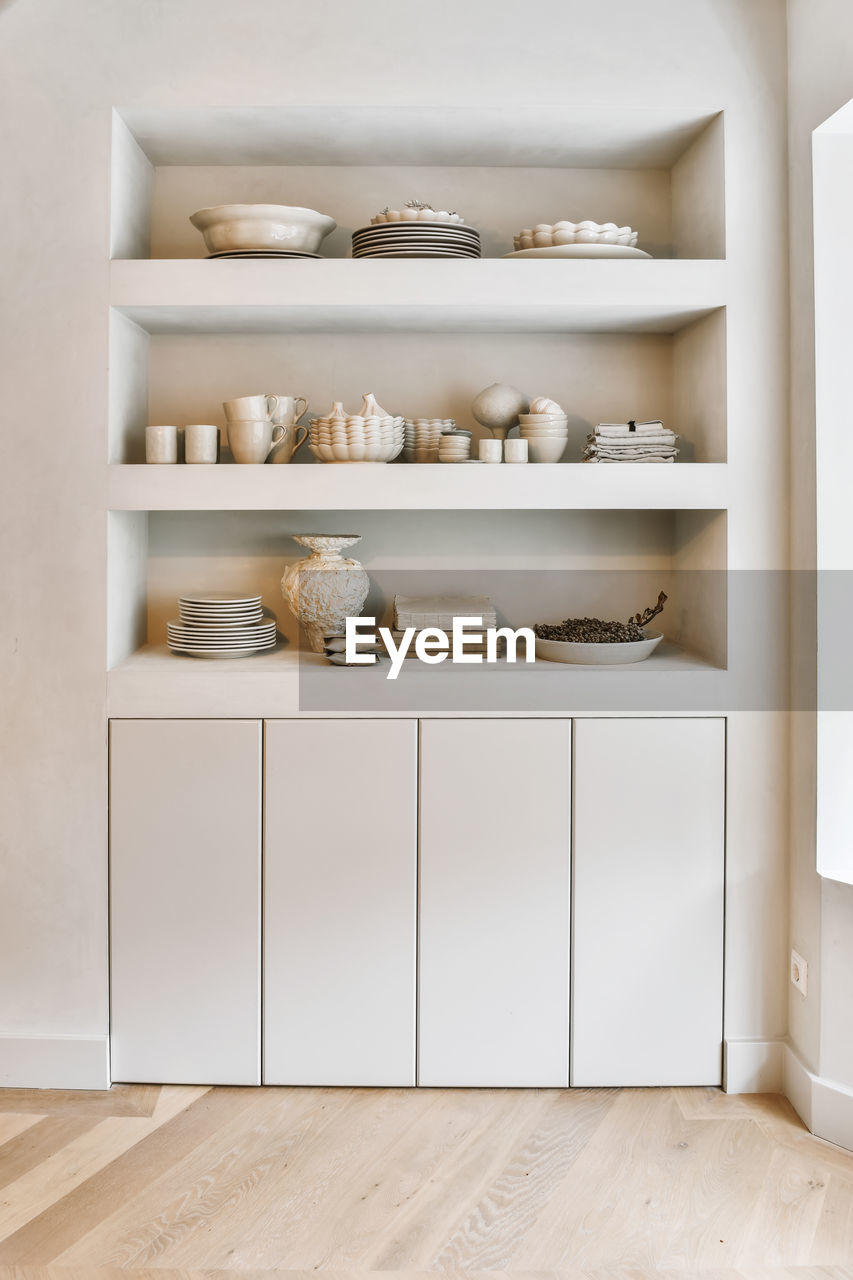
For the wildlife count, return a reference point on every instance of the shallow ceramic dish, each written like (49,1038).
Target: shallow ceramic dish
(581,251)
(597,655)
(228,227)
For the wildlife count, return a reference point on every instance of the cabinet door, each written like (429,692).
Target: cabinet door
(649,813)
(185,860)
(494,902)
(340,884)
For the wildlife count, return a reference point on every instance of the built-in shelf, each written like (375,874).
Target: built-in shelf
(433,487)
(483,295)
(155,683)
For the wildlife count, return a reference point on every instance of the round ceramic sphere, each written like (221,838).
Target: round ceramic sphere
(498,406)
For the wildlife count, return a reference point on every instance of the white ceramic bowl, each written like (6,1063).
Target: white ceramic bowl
(545,235)
(539,450)
(262,226)
(597,655)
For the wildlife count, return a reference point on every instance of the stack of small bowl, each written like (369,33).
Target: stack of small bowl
(454,446)
(350,437)
(546,430)
(423,436)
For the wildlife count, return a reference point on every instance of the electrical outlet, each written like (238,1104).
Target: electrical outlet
(799,972)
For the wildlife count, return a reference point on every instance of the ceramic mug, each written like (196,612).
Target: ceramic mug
(284,449)
(201,443)
(491,450)
(250,408)
(515,450)
(161,444)
(252,439)
(286,411)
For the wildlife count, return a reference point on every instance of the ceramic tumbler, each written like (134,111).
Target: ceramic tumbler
(251,441)
(201,443)
(161,444)
(491,450)
(515,451)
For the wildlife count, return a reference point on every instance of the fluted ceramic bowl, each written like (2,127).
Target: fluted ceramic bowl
(234,227)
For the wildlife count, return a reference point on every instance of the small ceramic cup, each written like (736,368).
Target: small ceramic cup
(161,444)
(201,443)
(284,449)
(289,409)
(491,450)
(250,408)
(251,440)
(515,451)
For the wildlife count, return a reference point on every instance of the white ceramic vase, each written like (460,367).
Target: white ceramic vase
(497,407)
(325,588)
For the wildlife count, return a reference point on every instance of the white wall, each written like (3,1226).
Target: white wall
(62,67)
(820,68)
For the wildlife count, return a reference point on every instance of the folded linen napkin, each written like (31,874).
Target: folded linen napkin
(625,428)
(617,461)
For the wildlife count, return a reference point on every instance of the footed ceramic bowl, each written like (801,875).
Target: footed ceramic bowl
(229,227)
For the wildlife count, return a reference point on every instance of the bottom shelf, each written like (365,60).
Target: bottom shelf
(154,683)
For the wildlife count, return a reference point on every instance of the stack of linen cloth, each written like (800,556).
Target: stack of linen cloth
(439,611)
(631,442)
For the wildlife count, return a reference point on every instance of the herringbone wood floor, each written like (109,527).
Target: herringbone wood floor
(172,1183)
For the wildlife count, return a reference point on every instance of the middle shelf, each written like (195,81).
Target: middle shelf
(435,487)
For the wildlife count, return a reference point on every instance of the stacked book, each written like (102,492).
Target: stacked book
(422,612)
(631,442)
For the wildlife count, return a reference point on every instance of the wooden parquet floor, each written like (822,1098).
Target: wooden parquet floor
(183,1183)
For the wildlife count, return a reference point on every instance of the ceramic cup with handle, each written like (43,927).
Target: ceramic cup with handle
(288,410)
(251,439)
(285,447)
(250,408)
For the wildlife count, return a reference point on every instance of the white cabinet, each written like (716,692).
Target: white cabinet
(494,902)
(185,869)
(340,888)
(649,819)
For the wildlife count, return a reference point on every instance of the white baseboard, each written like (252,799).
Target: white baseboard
(754,1066)
(54,1062)
(824,1106)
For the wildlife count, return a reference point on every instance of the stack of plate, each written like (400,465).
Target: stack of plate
(423,436)
(220,625)
(454,446)
(416,240)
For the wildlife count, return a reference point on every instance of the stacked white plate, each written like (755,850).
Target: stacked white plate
(455,446)
(416,240)
(423,436)
(220,625)
(546,435)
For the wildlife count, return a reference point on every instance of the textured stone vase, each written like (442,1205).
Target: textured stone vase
(326,588)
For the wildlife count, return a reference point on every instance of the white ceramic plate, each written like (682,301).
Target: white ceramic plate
(580,251)
(220,598)
(410,224)
(415,253)
(262,253)
(217,653)
(597,655)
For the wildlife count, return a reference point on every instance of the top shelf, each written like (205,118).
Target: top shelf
(418,295)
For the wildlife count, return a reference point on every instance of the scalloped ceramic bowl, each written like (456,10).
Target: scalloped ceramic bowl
(546,235)
(227,227)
